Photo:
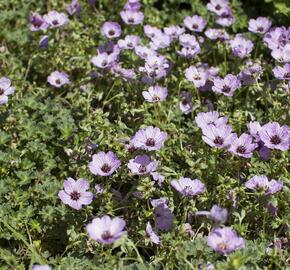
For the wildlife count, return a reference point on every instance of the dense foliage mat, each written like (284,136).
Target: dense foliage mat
(144,134)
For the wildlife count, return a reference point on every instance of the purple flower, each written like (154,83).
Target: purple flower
(260,183)
(58,79)
(250,74)
(190,46)
(211,118)
(277,37)
(104,60)
(188,187)
(218,137)
(226,86)
(243,146)
(37,22)
(195,23)
(111,30)
(150,138)
(133,5)
(219,214)
(189,53)
(186,105)
(217,6)
(126,74)
(282,55)
(156,67)
(156,62)
(154,238)
(197,76)
(275,136)
(5,90)
(225,240)
(254,128)
(159,178)
(174,31)
(143,51)
(225,17)
(151,31)
(75,193)
(160,41)
(130,42)
(132,17)
(142,165)
(104,164)
(106,230)
(163,217)
(188,41)
(74,7)
(155,94)
(215,33)
(241,47)
(41,267)
(161,201)
(211,72)
(56,19)
(282,73)
(109,48)
(43,42)
(260,25)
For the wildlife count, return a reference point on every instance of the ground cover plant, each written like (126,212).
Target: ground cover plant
(144,134)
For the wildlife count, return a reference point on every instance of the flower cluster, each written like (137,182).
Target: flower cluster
(135,136)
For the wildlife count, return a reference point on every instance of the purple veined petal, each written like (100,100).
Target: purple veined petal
(86,198)
(69,185)
(3,99)
(154,238)
(5,83)
(117,225)
(65,198)
(9,91)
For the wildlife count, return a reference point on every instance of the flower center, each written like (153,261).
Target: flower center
(57,81)
(260,29)
(142,169)
(106,235)
(131,20)
(222,246)
(218,140)
(106,168)
(130,45)
(194,26)
(156,98)
(1,91)
(111,32)
(184,102)
(36,22)
(75,195)
(241,149)
(226,89)
(218,7)
(196,77)
(104,63)
(55,22)
(150,142)
(275,139)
